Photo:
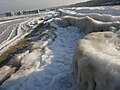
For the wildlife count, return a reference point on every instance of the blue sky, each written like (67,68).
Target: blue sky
(16,5)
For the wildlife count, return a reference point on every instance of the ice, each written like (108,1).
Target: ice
(33,22)
(99,13)
(50,16)
(114,10)
(49,70)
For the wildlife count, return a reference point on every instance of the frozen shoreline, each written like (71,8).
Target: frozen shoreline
(49,67)
(52,68)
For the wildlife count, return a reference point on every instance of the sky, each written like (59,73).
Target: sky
(18,5)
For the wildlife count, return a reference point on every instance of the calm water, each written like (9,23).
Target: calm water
(2,15)
(18,5)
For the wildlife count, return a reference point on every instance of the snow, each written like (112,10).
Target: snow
(33,22)
(99,13)
(51,69)
(16,28)
(9,21)
(16,32)
(114,10)
(50,16)
(8,35)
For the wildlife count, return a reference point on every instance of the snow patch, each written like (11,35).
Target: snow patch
(49,70)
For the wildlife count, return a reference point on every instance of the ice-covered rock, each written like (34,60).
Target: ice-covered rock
(96,62)
(5,73)
(35,22)
(47,65)
(87,24)
(98,13)
(6,52)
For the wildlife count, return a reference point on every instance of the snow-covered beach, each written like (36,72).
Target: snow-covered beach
(46,62)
